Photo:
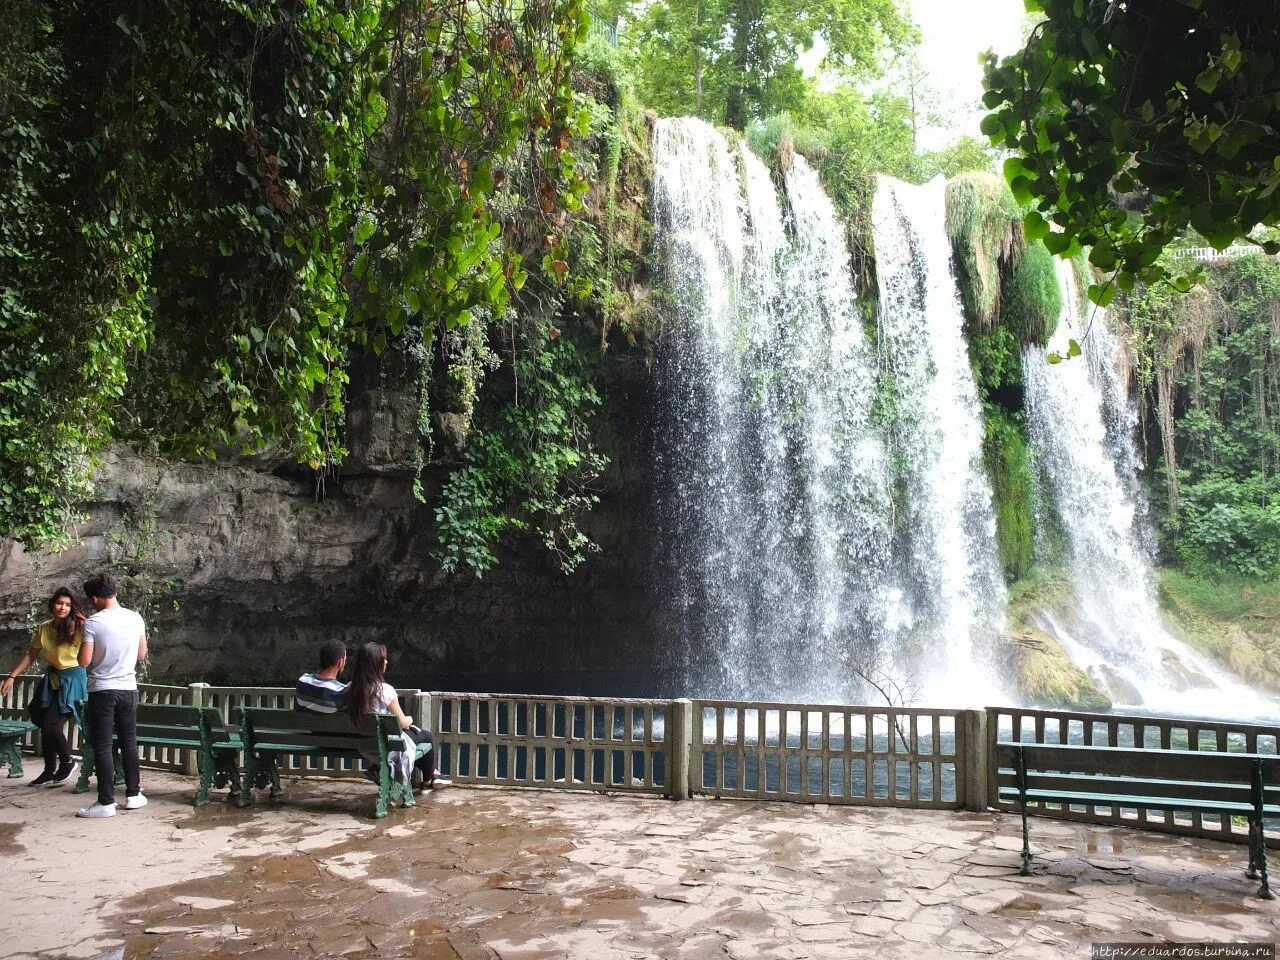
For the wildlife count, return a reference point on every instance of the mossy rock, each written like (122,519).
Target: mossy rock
(1032,298)
(1047,677)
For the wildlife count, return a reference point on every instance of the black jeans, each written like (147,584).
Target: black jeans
(114,712)
(427,762)
(53,742)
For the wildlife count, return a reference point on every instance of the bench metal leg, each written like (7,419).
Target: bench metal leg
(11,753)
(402,793)
(1252,872)
(86,766)
(1260,853)
(384,790)
(205,768)
(1026,845)
(1021,771)
(248,775)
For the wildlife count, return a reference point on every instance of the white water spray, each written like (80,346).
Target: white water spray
(1117,635)
(776,484)
(938,442)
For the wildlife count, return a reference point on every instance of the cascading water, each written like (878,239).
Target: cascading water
(794,520)
(775,484)
(1116,635)
(959,594)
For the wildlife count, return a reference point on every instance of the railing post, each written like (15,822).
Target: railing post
(195,698)
(422,715)
(681,747)
(976,760)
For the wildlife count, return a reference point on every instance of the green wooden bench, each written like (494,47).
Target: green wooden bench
(271,733)
(12,733)
(199,729)
(1225,784)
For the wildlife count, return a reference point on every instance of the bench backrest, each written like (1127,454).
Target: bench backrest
(1138,772)
(171,722)
(332,732)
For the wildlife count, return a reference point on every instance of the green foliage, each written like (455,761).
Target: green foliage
(732,61)
(984,225)
(1032,297)
(219,201)
(1009,466)
(1231,524)
(532,470)
(1135,123)
(996,359)
(1208,363)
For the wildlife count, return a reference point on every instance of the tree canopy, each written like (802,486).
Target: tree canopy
(207,205)
(734,61)
(1134,123)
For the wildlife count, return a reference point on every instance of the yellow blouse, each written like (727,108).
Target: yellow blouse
(60,655)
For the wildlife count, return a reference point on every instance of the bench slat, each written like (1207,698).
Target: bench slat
(1127,786)
(1111,800)
(1200,766)
(168,714)
(336,742)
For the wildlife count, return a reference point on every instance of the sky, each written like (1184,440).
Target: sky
(955,32)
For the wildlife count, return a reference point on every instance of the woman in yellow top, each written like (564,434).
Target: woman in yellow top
(64,684)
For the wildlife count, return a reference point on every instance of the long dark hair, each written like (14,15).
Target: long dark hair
(66,630)
(361,698)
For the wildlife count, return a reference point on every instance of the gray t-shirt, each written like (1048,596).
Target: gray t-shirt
(114,634)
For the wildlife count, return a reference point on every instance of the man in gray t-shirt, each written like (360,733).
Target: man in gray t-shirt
(115,639)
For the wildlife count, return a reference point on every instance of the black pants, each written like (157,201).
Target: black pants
(53,742)
(114,712)
(427,762)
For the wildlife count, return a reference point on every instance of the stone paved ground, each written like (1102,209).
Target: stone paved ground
(479,874)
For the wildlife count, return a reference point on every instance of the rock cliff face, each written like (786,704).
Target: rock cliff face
(242,570)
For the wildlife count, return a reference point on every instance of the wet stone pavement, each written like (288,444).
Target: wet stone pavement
(483,874)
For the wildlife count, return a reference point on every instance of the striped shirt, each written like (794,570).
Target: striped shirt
(318,694)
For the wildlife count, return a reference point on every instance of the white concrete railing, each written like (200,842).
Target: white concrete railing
(1209,254)
(815,753)
(1127,730)
(804,753)
(14,707)
(567,743)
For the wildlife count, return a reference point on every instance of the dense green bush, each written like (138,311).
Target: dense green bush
(1032,297)
(1231,524)
(207,208)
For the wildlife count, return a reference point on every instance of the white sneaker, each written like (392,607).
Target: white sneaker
(97,811)
(439,781)
(135,803)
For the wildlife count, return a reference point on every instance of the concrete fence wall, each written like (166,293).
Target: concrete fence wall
(791,752)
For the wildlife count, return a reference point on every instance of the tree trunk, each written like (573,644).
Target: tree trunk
(697,58)
(744,63)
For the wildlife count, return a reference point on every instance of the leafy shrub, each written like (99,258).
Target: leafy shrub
(1231,525)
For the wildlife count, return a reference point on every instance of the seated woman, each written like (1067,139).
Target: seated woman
(370,693)
(57,642)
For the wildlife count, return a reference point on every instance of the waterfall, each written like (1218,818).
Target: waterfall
(774,484)
(1080,421)
(937,438)
(823,503)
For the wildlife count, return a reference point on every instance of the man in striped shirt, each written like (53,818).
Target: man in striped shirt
(321,692)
